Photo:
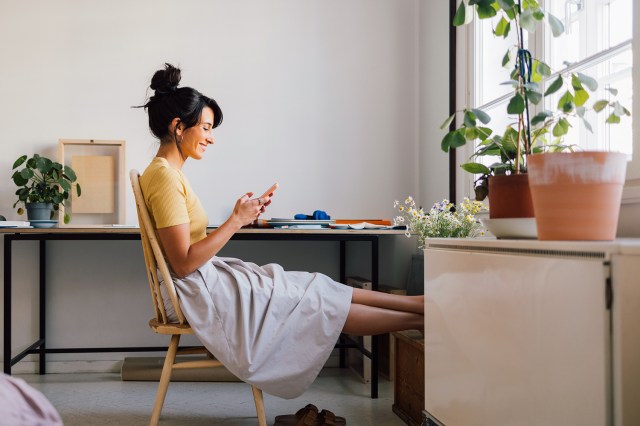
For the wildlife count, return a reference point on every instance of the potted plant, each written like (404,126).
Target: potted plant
(443,220)
(44,185)
(505,179)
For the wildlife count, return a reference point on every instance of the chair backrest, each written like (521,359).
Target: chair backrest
(154,257)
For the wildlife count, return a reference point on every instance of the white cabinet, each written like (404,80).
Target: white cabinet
(532,333)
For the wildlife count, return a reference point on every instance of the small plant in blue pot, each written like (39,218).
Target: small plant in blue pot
(43,185)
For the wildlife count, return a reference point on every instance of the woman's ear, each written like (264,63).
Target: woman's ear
(176,126)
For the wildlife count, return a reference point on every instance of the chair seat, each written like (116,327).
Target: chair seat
(169,328)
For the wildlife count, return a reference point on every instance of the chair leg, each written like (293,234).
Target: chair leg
(257,396)
(165,377)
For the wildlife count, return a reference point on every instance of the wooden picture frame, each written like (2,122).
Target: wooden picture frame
(100,168)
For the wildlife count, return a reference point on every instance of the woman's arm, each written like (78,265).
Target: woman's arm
(184,257)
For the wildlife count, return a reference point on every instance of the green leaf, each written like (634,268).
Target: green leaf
(475,168)
(506,59)
(460,18)
(565,103)
(590,82)
(543,68)
(527,21)
(581,96)
(502,29)
(538,14)
(561,128)
(453,139)
(576,83)
(613,119)
(512,83)
(41,164)
(448,121)
(618,109)
(484,133)
(506,4)
(26,173)
(600,105)
(481,115)
(70,173)
(19,161)
(580,111)
(557,27)
(510,140)
(541,117)
(586,124)
(469,119)
(611,90)
(534,96)
(64,184)
(470,133)
(67,218)
(516,104)
(18,179)
(458,139)
(555,86)
(511,13)
(78,190)
(485,10)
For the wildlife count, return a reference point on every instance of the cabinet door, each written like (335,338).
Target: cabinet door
(516,340)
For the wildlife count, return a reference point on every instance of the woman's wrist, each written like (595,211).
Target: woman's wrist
(233,223)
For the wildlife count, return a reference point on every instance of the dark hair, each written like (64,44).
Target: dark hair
(170,102)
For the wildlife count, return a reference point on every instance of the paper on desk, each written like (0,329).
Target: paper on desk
(361,225)
(13,224)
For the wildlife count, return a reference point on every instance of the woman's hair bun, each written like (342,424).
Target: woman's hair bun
(166,80)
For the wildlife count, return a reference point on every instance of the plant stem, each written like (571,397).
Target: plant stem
(524,129)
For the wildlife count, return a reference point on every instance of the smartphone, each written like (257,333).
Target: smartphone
(269,191)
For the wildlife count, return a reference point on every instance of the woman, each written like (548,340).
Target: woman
(272,328)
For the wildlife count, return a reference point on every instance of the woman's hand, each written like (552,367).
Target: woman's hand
(185,257)
(247,210)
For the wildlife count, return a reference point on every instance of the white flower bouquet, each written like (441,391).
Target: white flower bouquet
(444,220)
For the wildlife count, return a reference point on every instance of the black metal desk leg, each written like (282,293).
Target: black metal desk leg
(343,351)
(43,305)
(7,304)
(374,339)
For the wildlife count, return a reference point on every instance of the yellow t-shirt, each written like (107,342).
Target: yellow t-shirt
(170,199)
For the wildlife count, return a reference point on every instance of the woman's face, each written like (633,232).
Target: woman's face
(196,139)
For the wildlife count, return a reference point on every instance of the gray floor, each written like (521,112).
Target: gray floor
(103,399)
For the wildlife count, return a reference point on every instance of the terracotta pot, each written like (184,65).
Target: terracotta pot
(509,196)
(576,195)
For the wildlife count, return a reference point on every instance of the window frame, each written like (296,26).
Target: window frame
(466,55)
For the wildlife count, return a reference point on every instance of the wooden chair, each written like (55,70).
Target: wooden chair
(155,261)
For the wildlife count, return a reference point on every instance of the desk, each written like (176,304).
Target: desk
(110,234)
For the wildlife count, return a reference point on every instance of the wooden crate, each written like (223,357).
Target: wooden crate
(408,388)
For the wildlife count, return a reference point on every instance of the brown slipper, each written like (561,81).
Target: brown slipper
(308,419)
(302,414)
(327,418)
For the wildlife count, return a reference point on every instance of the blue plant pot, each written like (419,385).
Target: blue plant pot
(39,211)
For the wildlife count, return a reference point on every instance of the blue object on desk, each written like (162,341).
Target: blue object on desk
(317,215)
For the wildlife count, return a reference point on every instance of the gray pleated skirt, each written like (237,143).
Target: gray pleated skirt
(272,328)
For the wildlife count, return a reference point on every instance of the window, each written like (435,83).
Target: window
(597,42)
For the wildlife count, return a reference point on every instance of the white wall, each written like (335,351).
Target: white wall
(326,97)
(434,80)
(317,95)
